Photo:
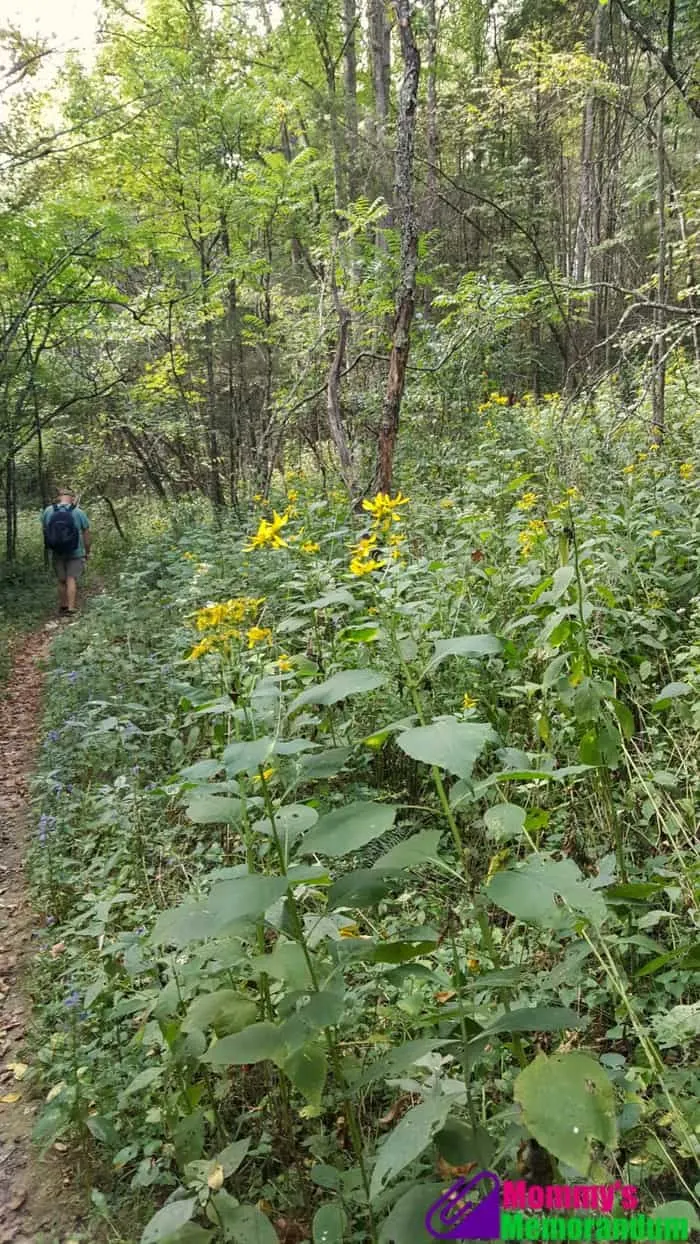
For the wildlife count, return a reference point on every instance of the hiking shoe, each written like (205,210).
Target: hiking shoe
(63,609)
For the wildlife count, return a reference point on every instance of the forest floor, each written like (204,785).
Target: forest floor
(39,1203)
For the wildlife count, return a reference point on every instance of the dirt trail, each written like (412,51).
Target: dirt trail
(37,1203)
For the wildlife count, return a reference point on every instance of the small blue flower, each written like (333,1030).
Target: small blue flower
(73,676)
(58,788)
(53,736)
(73,999)
(50,920)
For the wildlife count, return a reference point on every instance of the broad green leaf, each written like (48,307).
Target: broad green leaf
(329,1224)
(419,849)
(202,770)
(561,579)
(286,962)
(190,1233)
(188,1138)
(340,596)
(103,1130)
(588,1106)
(671,692)
(338,687)
(247,757)
(465,646)
(448,743)
(324,764)
(398,1060)
(214,810)
(307,1068)
(243,1224)
(244,898)
(677,1209)
(536,1019)
(290,821)
(224,1010)
(408,1140)
(532,890)
(458,1144)
(231,1157)
(348,828)
(167,1220)
(406,1222)
(365,887)
(324,1009)
(505,821)
(325,1176)
(402,952)
(254,1044)
(144,1079)
(360,634)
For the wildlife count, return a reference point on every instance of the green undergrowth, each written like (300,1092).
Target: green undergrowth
(373,856)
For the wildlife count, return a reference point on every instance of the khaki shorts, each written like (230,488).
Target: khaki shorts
(68,567)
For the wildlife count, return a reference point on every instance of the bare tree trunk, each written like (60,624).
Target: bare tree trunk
(658,419)
(380,60)
(584,222)
(405,302)
(350,90)
(336,425)
(432,134)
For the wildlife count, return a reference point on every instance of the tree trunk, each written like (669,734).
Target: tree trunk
(350,91)
(432,133)
(380,60)
(658,419)
(584,222)
(405,142)
(336,425)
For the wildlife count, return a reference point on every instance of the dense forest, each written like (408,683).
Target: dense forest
(364,826)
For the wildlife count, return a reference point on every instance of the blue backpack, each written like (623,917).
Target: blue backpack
(62,534)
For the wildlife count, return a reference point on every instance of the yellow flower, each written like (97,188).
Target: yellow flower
(202,648)
(654,447)
(526,541)
(212,616)
(284,663)
(383,506)
(537,527)
(469,701)
(573,493)
(258,497)
(349,930)
(189,557)
(527,501)
(642,457)
(686,470)
(364,547)
(264,776)
(629,470)
(498,399)
(258,635)
(656,532)
(447,503)
(310,546)
(550,397)
(359,567)
(292,495)
(267,535)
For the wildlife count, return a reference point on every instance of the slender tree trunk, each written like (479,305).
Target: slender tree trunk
(216,494)
(432,132)
(336,425)
(350,92)
(380,60)
(584,221)
(405,142)
(659,352)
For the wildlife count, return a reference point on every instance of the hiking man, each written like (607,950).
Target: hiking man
(67,535)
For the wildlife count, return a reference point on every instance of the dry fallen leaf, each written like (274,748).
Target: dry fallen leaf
(18,1069)
(57,949)
(444,995)
(9,1099)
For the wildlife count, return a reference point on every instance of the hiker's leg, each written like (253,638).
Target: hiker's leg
(71,593)
(59,568)
(74,570)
